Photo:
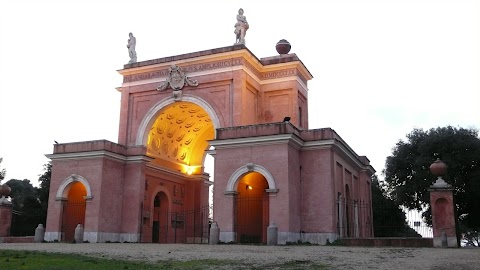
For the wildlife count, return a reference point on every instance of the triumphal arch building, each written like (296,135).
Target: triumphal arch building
(251,114)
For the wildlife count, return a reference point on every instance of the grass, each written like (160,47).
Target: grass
(10,259)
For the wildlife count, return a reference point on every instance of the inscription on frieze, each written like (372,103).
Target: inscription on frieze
(145,76)
(215,65)
(278,74)
(189,69)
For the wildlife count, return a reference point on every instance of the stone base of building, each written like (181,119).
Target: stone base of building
(102,237)
(318,238)
(228,237)
(451,242)
(312,238)
(52,236)
(97,237)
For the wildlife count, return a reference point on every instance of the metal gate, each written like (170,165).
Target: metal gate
(73,213)
(176,226)
(251,219)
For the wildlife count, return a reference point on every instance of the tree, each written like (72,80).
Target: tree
(27,209)
(44,189)
(29,203)
(388,218)
(408,176)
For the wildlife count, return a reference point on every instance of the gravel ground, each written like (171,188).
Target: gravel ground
(337,257)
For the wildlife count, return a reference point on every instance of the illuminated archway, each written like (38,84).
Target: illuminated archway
(63,189)
(177,135)
(247,168)
(251,219)
(73,209)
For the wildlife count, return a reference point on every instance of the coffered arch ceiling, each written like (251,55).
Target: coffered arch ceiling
(179,137)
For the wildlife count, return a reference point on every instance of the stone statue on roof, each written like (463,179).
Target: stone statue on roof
(132,42)
(241,27)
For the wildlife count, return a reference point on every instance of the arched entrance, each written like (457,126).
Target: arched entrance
(73,210)
(160,218)
(176,137)
(251,209)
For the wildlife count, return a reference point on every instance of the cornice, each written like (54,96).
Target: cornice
(167,171)
(98,154)
(217,63)
(251,141)
(295,142)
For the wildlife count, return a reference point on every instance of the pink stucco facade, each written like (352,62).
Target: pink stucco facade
(315,177)
(136,188)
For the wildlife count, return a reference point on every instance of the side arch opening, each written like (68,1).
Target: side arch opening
(252,209)
(73,209)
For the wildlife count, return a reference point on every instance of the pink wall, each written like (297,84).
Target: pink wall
(307,198)
(443,216)
(317,186)
(5,219)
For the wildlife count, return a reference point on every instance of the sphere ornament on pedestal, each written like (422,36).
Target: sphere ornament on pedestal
(283,46)
(5,190)
(439,169)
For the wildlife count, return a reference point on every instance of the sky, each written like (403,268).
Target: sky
(381,68)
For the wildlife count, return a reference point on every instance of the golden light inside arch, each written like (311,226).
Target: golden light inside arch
(179,137)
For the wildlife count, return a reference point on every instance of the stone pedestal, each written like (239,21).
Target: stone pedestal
(272,235)
(443,215)
(5,217)
(39,234)
(79,234)
(214,234)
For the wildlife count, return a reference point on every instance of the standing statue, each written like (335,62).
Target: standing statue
(241,27)
(132,41)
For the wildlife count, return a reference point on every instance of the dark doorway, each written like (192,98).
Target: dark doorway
(251,209)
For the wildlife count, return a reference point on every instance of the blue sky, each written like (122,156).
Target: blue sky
(381,68)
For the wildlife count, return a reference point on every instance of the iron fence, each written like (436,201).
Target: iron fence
(160,226)
(361,219)
(24,224)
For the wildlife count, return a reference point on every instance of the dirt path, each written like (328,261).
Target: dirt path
(336,257)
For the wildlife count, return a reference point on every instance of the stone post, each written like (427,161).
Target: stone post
(272,234)
(39,234)
(5,210)
(79,234)
(214,234)
(443,208)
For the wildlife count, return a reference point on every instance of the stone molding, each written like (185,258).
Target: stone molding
(158,168)
(297,143)
(250,167)
(62,192)
(99,154)
(234,58)
(152,114)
